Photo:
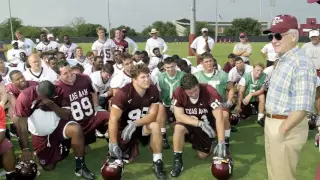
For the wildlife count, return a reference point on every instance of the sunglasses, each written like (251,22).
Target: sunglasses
(242,37)
(277,36)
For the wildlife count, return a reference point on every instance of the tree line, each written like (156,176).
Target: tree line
(80,28)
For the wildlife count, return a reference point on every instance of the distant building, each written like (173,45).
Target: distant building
(182,24)
(311,23)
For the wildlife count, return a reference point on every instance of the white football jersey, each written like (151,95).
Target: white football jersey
(97,83)
(235,76)
(5,76)
(45,74)
(68,50)
(13,56)
(27,45)
(119,80)
(117,68)
(104,49)
(52,45)
(83,62)
(88,70)
(37,125)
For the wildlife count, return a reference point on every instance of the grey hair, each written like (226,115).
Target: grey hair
(295,33)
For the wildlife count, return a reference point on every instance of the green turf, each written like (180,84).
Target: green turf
(247,145)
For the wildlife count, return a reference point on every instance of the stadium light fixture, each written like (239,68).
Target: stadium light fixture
(10,19)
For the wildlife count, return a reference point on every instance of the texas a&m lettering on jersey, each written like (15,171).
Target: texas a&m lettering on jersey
(133,106)
(209,99)
(78,97)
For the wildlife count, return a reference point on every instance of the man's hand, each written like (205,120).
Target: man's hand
(129,130)
(227,104)
(247,99)
(220,150)
(238,109)
(46,101)
(207,129)
(115,151)
(206,38)
(26,155)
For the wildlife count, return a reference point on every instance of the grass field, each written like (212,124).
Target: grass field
(247,145)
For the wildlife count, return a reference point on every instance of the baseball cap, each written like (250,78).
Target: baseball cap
(313,1)
(282,24)
(313,33)
(14,41)
(243,34)
(204,30)
(123,30)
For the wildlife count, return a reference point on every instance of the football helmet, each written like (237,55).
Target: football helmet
(112,169)
(221,168)
(26,170)
(312,121)
(234,119)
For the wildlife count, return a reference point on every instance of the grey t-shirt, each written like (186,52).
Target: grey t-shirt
(2,55)
(312,52)
(241,46)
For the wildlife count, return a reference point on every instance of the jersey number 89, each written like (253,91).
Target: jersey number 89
(79,109)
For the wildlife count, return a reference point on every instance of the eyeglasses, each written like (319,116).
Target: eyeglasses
(277,36)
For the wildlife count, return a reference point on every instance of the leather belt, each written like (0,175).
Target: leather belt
(276,116)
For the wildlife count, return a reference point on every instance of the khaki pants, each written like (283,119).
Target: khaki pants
(282,152)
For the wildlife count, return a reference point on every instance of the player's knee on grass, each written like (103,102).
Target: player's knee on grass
(202,155)
(73,130)
(48,167)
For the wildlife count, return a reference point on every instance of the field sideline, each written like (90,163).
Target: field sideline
(247,144)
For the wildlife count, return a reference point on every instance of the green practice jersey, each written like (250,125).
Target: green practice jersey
(252,86)
(219,81)
(168,85)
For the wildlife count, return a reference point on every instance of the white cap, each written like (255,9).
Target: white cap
(14,41)
(313,33)
(50,36)
(204,29)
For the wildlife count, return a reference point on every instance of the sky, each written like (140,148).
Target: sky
(139,14)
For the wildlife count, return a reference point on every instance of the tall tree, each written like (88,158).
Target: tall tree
(30,31)
(250,26)
(87,30)
(16,24)
(164,28)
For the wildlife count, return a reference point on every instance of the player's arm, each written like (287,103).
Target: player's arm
(247,52)
(115,114)
(240,95)
(237,52)
(217,113)
(259,92)
(193,47)
(183,118)
(3,95)
(150,116)
(114,91)
(263,52)
(4,48)
(165,47)
(95,99)
(230,89)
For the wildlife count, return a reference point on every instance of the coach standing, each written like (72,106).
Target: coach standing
(290,97)
(202,44)
(243,48)
(155,42)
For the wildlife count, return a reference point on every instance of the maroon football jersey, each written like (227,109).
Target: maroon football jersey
(28,100)
(13,89)
(121,45)
(209,99)
(227,67)
(133,106)
(78,97)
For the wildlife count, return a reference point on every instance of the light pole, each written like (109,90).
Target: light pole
(217,17)
(10,20)
(109,23)
(192,34)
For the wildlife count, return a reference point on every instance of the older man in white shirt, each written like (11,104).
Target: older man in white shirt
(25,44)
(154,42)
(202,44)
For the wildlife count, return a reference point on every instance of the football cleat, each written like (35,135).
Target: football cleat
(234,119)
(221,168)
(26,170)
(312,121)
(112,169)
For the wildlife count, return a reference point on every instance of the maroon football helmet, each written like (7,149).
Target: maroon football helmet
(112,169)
(26,170)
(234,119)
(222,168)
